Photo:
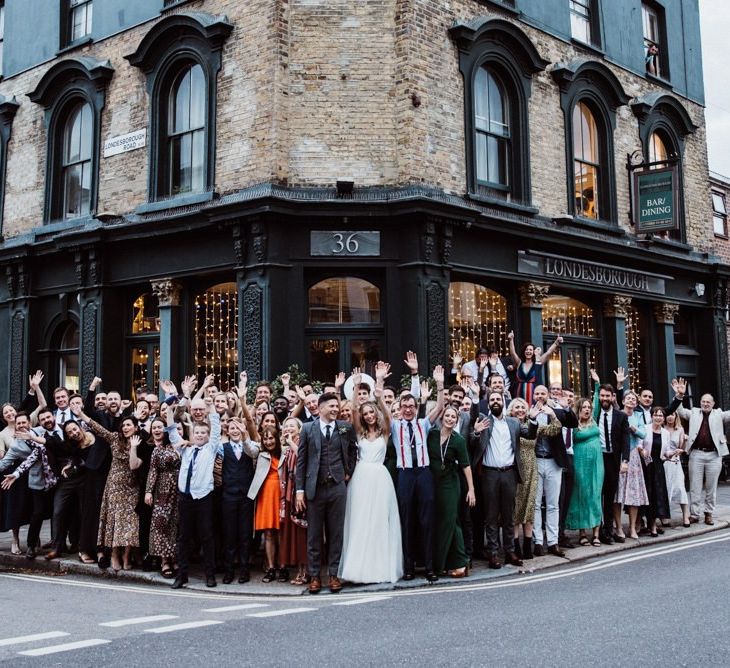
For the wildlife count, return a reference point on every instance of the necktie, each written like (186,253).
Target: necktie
(568,439)
(606,432)
(190,470)
(63,417)
(237,450)
(328,430)
(412,441)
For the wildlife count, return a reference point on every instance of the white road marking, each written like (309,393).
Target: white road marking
(4,642)
(358,601)
(183,626)
(277,613)
(138,620)
(67,647)
(518,579)
(231,608)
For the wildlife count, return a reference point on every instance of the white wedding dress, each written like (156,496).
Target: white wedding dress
(371,546)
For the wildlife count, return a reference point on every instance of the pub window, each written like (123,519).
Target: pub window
(497,62)
(477,318)
(78,136)
(587,167)
(655,51)
(571,361)
(584,24)
(68,357)
(719,214)
(636,348)
(145,314)
(73,94)
(216,333)
(77,20)
(657,149)
(181,56)
(344,301)
(492,129)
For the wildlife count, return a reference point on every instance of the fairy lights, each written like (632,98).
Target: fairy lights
(477,317)
(563,315)
(216,333)
(634,349)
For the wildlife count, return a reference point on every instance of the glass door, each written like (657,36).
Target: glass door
(328,355)
(570,366)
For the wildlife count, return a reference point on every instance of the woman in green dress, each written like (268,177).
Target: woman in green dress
(585,502)
(447,452)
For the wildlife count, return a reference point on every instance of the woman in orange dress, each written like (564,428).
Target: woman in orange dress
(266,491)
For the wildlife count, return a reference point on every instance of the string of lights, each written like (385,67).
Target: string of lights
(216,333)
(477,317)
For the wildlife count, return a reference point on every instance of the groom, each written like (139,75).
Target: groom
(325,461)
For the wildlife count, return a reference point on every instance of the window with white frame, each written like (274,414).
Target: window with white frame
(719,214)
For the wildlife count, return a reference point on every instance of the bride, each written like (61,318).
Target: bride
(372,549)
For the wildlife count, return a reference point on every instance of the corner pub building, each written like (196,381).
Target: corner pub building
(216,185)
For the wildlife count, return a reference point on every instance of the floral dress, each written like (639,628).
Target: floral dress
(118,521)
(162,484)
(631,486)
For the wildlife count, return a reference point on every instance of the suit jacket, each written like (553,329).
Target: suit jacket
(310,449)
(516,430)
(620,434)
(717,420)
(18,453)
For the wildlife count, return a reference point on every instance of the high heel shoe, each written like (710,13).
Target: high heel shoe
(269,576)
(459,572)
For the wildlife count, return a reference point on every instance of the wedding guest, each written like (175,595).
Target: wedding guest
(706,446)
(631,490)
(195,493)
(346,409)
(584,512)
(527,488)
(265,489)
(671,455)
(371,544)
(293,530)
(496,460)
(527,365)
(657,512)
(447,454)
(161,495)
(415,481)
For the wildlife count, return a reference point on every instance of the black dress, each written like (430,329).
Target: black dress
(656,484)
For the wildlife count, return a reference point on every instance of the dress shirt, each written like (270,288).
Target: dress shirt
(63,415)
(400,433)
(604,446)
(323,427)
(500,452)
(201,483)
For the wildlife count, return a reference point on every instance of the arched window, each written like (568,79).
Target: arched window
(492,129)
(78,136)
(181,56)
(344,300)
(68,356)
(186,131)
(657,148)
(216,333)
(567,316)
(73,94)
(497,61)
(586,162)
(590,94)
(477,317)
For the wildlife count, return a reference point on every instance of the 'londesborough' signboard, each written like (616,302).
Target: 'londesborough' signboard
(655,200)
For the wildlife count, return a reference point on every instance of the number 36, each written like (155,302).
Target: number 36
(344,243)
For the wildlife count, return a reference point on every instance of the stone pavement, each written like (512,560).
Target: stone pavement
(255,587)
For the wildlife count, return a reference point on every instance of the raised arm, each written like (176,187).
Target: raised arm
(553,347)
(382,371)
(596,383)
(438,376)
(512,352)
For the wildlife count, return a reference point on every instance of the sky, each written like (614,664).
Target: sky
(715,25)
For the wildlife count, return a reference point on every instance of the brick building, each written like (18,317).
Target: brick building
(216,184)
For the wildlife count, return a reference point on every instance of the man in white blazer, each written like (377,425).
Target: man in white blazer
(706,445)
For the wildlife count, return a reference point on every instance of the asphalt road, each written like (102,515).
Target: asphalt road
(665,605)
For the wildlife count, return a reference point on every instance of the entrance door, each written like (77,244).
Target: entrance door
(330,354)
(570,365)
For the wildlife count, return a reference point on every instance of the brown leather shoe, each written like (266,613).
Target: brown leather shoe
(493,562)
(52,555)
(512,558)
(556,550)
(315,585)
(335,584)
(708,519)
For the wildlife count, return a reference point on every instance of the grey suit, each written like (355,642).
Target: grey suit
(498,486)
(322,469)
(17,453)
